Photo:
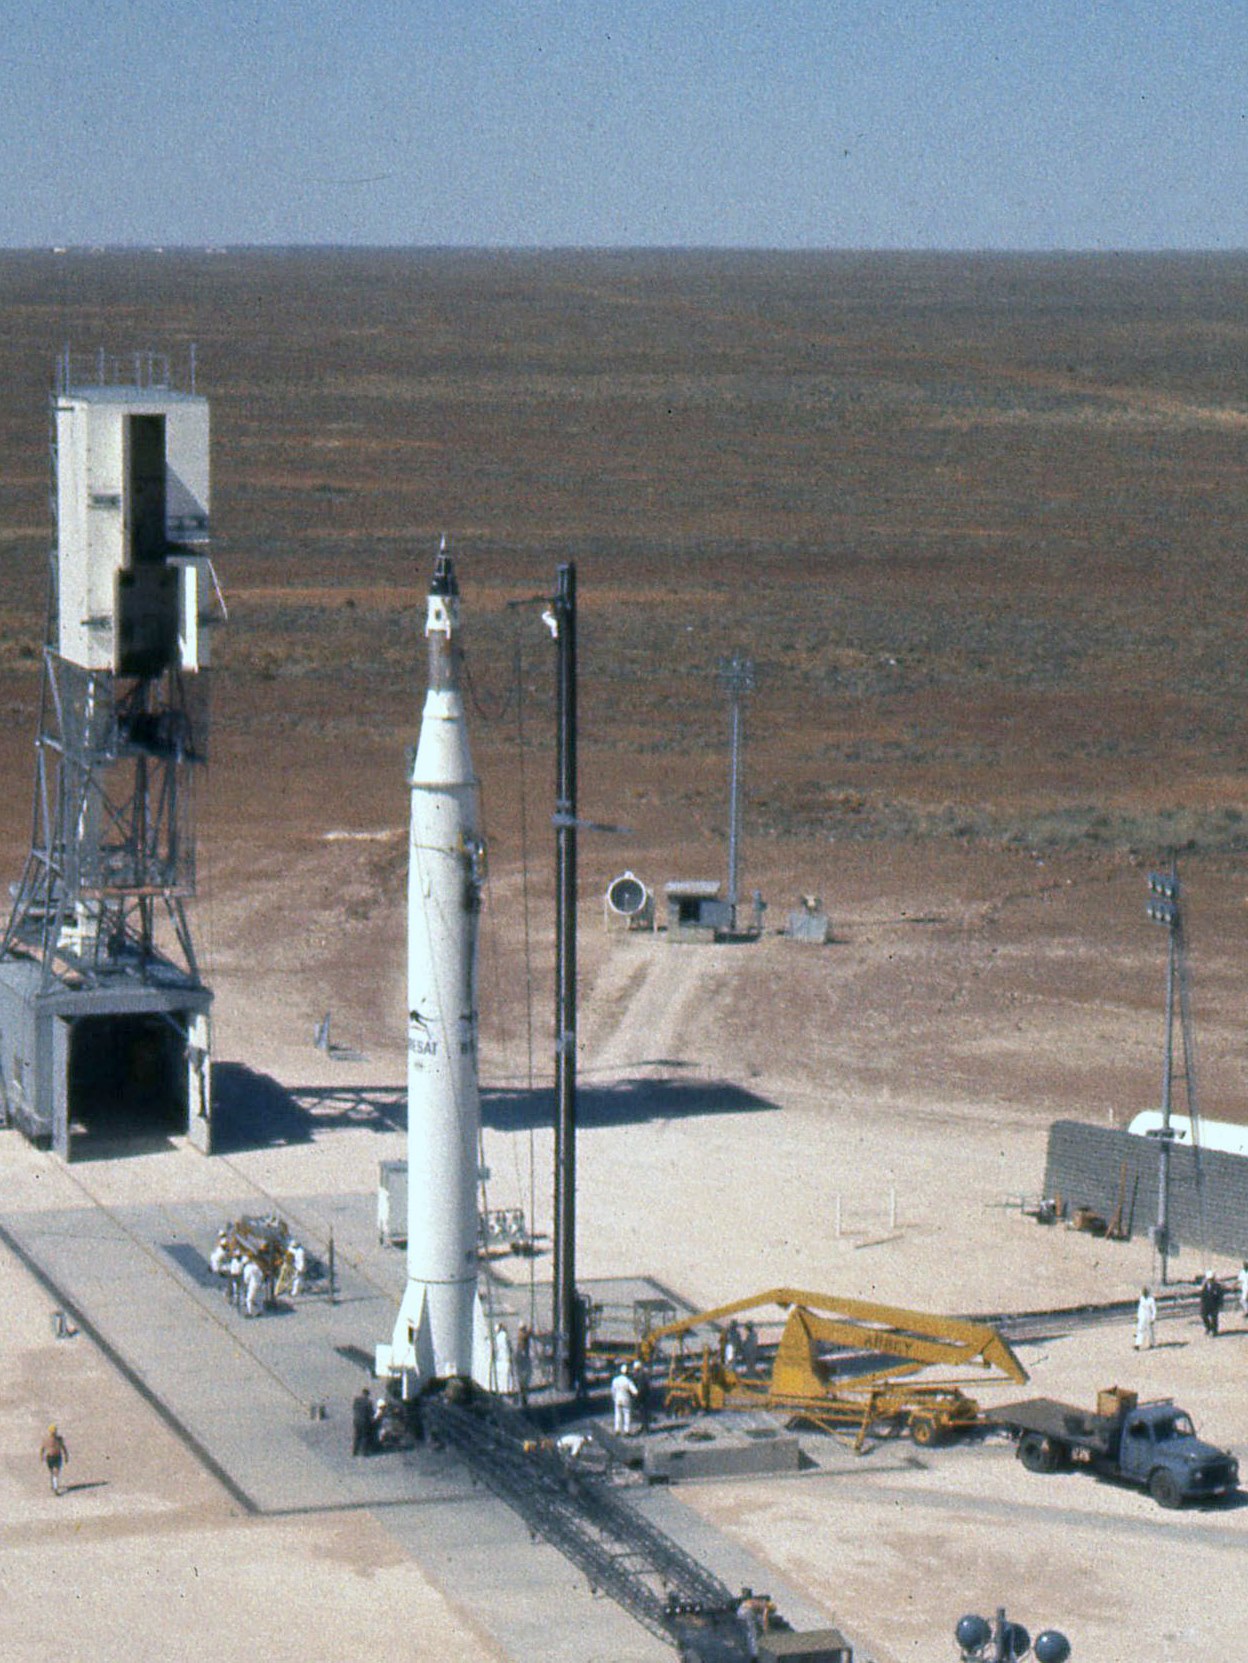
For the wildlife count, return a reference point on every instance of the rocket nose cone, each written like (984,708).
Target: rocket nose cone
(444,580)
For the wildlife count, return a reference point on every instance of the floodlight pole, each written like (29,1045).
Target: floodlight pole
(1165,910)
(1167,1105)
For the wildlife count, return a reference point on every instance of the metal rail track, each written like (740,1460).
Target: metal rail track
(1034,1325)
(621,1553)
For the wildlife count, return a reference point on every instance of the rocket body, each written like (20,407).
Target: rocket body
(441,1330)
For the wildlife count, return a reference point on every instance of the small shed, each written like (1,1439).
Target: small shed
(695,911)
(809,922)
(391,1202)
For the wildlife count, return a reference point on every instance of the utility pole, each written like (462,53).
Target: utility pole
(567,1329)
(736,675)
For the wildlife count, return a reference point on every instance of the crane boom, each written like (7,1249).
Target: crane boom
(803,1382)
(919,1336)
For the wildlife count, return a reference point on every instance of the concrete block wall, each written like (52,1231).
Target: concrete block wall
(1085,1166)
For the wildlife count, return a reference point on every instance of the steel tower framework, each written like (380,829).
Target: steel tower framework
(98,971)
(112,853)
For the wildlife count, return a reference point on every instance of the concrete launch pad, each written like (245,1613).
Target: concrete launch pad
(735,1446)
(247,1396)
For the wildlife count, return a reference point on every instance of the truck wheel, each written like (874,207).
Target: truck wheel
(1033,1452)
(1165,1489)
(923,1429)
(1041,1454)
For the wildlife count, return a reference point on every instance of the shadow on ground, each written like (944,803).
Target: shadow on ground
(622,1103)
(255,1111)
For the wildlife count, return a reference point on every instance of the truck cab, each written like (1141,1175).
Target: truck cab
(1158,1448)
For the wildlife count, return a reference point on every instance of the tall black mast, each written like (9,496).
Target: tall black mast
(568,1332)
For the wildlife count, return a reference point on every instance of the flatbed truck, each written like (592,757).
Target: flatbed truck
(1153,1445)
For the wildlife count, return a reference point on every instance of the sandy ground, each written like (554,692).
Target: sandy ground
(723,1190)
(144,1554)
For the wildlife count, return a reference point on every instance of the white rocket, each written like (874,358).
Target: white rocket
(441,1329)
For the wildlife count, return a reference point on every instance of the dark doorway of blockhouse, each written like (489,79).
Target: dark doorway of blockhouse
(126,1085)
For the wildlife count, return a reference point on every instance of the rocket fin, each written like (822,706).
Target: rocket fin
(411,1350)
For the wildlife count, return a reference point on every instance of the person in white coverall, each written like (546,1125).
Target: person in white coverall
(253,1282)
(1145,1321)
(623,1396)
(504,1374)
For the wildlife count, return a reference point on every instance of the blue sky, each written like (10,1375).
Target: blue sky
(773,123)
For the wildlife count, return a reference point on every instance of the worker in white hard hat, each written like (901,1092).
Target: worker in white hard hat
(623,1396)
(504,1372)
(219,1258)
(253,1282)
(1145,1321)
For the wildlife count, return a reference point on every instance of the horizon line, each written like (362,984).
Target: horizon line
(976,250)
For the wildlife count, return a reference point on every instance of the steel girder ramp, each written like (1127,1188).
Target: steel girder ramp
(621,1553)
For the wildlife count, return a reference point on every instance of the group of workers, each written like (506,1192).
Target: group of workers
(255,1272)
(630,1389)
(739,1348)
(513,1364)
(1212,1297)
(376,1425)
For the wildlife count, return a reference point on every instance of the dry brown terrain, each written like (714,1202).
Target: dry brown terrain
(980,523)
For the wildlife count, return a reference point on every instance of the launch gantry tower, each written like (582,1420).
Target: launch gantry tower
(104,1016)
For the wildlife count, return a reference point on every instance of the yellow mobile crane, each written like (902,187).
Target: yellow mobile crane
(810,1386)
